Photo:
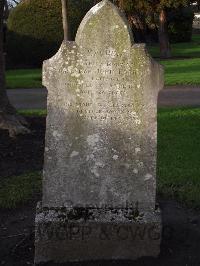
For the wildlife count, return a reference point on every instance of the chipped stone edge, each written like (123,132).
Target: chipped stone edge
(80,215)
(50,250)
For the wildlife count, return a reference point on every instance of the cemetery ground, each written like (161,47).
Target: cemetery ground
(178,171)
(178,188)
(183,68)
(177,72)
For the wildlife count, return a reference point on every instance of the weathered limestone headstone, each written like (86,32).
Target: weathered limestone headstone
(99,185)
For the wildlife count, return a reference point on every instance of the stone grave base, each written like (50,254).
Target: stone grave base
(95,234)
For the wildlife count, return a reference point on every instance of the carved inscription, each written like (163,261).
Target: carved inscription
(106,85)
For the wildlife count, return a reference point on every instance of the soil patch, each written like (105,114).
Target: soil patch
(25,152)
(181,226)
(180,244)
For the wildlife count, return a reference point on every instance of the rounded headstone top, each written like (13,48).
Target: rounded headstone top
(104,26)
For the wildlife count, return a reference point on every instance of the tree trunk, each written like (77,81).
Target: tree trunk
(9,119)
(65,19)
(165,51)
(138,27)
(121,5)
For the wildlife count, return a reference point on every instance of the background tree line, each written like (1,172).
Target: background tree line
(35,26)
(35,32)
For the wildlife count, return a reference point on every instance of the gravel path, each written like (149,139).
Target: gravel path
(169,97)
(179,96)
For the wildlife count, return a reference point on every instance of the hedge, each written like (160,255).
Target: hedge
(35,29)
(180,24)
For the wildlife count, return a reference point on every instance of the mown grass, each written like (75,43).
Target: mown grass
(177,71)
(178,154)
(178,161)
(18,190)
(182,72)
(33,112)
(24,78)
(182,50)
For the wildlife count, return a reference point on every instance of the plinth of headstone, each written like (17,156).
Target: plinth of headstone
(99,180)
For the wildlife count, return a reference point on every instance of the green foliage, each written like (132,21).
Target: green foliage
(171,3)
(35,29)
(180,24)
(147,12)
(151,5)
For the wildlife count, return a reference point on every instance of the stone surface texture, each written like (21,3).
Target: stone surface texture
(101,137)
(68,235)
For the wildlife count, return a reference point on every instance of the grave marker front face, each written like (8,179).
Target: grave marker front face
(101,137)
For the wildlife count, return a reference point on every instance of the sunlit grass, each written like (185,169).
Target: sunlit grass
(178,167)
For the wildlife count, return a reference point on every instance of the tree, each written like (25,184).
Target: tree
(65,19)
(165,51)
(96,2)
(161,6)
(9,119)
(13,3)
(137,10)
(198,5)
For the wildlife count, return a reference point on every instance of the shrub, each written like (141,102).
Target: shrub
(180,24)
(35,29)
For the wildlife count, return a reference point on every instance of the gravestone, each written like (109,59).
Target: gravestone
(99,180)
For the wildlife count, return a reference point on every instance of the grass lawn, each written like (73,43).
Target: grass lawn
(182,72)
(178,154)
(177,72)
(24,78)
(188,49)
(19,189)
(178,161)
(34,112)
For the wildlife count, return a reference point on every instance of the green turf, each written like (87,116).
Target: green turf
(182,72)
(177,72)
(24,78)
(188,49)
(19,189)
(178,154)
(36,112)
(178,161)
